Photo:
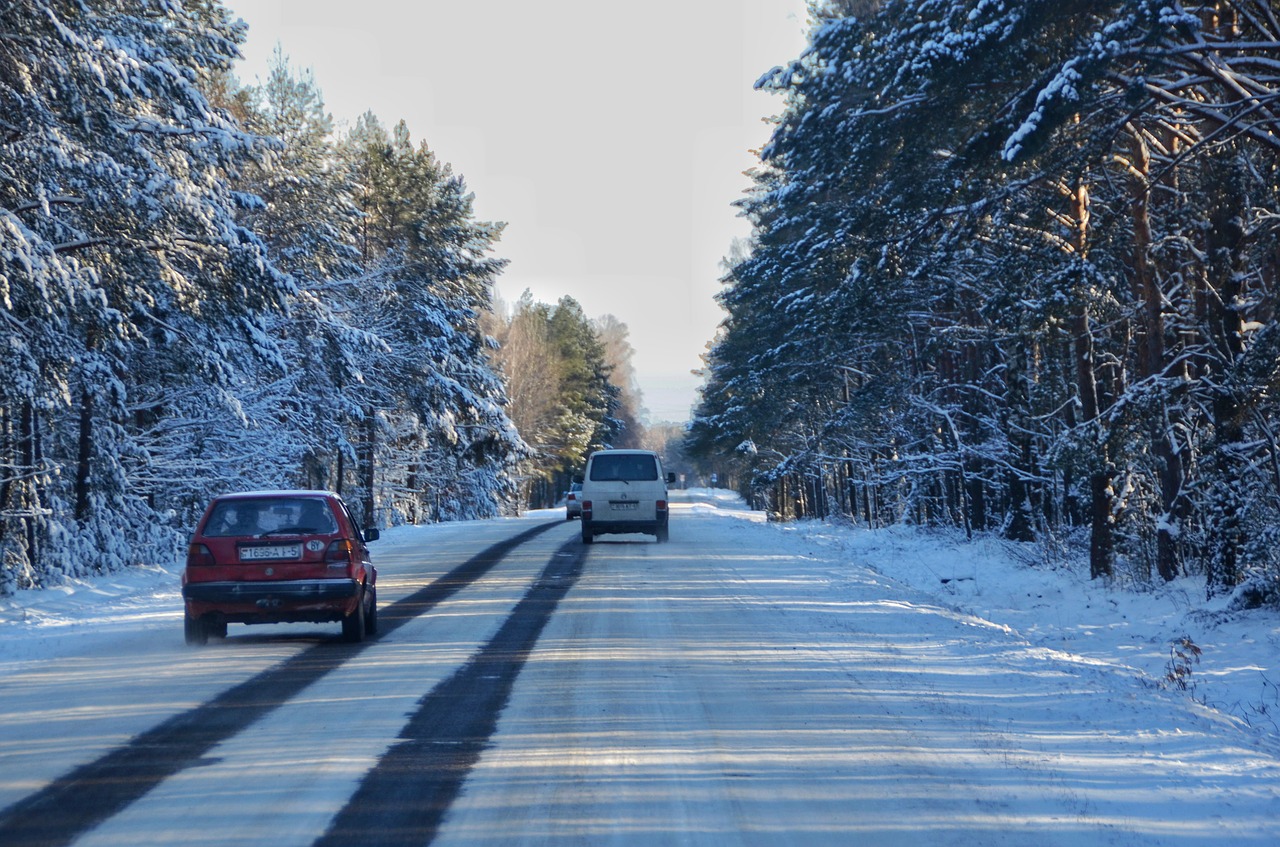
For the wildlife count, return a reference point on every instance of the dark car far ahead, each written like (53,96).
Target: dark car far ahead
(277,557)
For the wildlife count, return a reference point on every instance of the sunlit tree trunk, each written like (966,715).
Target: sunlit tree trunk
(1102,508)
(1151,358)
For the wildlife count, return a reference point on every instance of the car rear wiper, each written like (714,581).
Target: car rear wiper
(289,530)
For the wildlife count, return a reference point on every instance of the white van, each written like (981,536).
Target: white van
(624,491)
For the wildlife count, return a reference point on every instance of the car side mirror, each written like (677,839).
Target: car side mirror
(671,477)
(578,478)
(371,534)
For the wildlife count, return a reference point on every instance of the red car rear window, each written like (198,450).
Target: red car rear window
(259,516)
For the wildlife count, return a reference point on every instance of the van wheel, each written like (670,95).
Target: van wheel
(587,537)
(662,534)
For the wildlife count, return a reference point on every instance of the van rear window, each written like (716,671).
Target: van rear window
(630,467)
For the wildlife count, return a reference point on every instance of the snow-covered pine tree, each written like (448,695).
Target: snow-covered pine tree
(430,403)
(134,280)
(309,222)
(588,400)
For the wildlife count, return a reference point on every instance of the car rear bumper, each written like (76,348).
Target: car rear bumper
(276,601)
(305,590)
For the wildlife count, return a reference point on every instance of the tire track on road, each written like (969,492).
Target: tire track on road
(90,794)
(403,800)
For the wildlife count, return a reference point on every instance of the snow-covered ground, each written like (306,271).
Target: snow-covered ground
(1050,602)
(1064,681)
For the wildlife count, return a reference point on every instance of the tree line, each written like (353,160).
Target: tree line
(572,390)
(205,287)
(1014,269)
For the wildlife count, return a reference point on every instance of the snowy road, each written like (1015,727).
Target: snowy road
(730,687)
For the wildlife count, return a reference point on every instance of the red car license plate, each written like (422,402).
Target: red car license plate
(274,551)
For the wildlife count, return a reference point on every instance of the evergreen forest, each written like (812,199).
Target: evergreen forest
(1014,269)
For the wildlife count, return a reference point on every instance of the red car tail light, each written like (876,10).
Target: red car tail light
(198,554)
(342,554)
(340,551)
(662,505)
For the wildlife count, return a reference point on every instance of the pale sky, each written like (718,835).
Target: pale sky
(611,137)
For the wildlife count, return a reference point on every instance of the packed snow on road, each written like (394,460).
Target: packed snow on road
(746,683)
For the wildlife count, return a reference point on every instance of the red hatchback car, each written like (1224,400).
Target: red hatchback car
(279,557)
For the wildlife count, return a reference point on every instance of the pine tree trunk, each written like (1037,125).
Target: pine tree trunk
(415,496)
(370,436)
(1151,360)
(84,455)
(27,436)
(1101,510)
(977,498)
(1226,241)
(8,455)
(1019,526)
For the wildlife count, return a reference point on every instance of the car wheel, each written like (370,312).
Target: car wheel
(371,616)
(567,516)
(195,631)
(353,624)
(663,537)
(587,537)
(216,630)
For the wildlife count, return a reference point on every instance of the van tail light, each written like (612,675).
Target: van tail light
(586,509)
(198,554)
(662,505)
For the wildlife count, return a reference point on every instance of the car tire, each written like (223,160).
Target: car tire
(354,623)
(371,616)
(587,537)
(197,634)
(663,536)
